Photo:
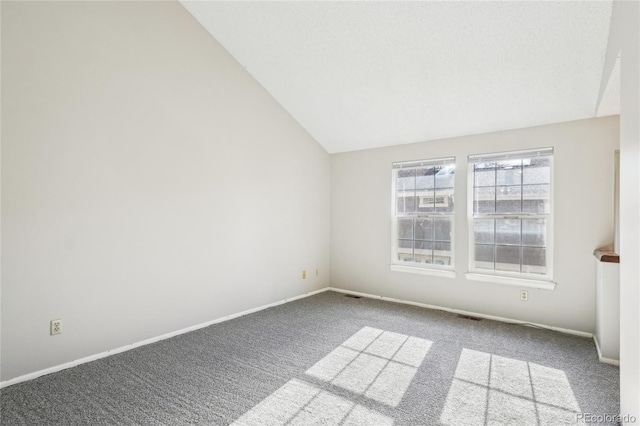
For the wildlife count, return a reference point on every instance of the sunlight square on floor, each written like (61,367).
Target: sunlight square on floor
(489,389)
(375,363)
(300,403)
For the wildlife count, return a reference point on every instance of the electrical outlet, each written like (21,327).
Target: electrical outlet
(304,275)
(56,327)
(317,273)
(524,295)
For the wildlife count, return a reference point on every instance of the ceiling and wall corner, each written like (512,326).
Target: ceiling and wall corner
(359,75)
(609,93)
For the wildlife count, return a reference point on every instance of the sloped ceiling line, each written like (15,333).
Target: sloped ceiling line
(612,56)
(359,75)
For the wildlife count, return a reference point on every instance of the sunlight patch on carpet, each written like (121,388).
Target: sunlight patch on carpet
(375,363)
(299,403)
(490,389)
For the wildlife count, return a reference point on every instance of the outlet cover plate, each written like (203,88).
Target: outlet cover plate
(56,327)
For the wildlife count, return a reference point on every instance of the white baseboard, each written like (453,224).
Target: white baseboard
(35,374)
(602,359)
(31,376)
(458,311)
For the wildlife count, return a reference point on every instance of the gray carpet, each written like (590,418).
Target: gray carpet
(331,359)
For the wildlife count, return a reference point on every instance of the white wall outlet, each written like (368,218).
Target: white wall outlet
(56,327)
(304,275)
(317,273)
(524,295)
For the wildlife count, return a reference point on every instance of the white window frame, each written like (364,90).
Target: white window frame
(522,279)
(447,271)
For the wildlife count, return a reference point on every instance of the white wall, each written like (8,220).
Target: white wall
(626,22)
(583,161)
(148,182)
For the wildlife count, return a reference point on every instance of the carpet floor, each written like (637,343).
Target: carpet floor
(331,359)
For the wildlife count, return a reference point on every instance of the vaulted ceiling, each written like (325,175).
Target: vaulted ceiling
(360,75)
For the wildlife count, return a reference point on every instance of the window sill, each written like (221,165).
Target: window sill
(520,282)
(423,271)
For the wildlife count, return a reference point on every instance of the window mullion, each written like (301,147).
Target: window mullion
(521,187)
(416,203)
(433,233)
(521,209)
(512,216)
(495,189)
(413,243)
(521,247)
(495,244)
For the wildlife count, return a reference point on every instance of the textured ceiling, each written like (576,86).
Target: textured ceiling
(360,75)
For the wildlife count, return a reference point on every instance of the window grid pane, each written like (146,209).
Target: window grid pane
(419,191)
(514,244)
(520,186)
(425,240)
(517,189)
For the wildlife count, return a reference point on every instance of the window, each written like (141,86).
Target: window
(510,214)
(423,214)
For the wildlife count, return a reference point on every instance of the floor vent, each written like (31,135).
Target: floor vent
(469,317)
(353,296)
